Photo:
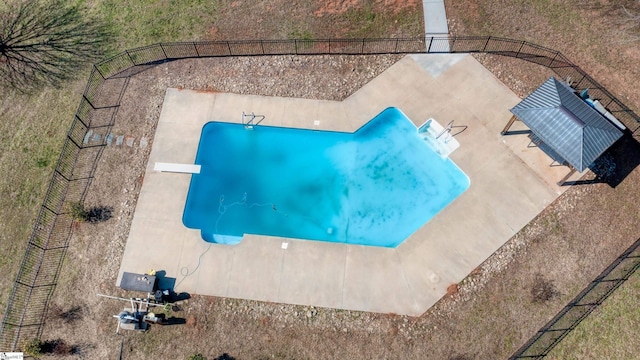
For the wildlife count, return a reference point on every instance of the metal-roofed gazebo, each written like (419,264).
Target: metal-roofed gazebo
(564,125)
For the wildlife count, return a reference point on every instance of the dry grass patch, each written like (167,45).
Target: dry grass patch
(32,130)
(317,19)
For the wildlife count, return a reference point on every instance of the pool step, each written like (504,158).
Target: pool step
(438,138)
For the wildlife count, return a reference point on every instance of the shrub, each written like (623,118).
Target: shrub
(37,348)
(33,348)
(77,211)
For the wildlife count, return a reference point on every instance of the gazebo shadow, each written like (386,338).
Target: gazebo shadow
(625,155)
(614,165)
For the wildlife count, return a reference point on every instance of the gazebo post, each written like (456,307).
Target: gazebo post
(566,177)
(508,126)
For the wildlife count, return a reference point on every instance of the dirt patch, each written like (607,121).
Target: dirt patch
(452,289)
(542,290)
(191,321)
(339,7)
(398,6)
(336,7)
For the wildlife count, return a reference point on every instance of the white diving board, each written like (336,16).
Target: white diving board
(177,168)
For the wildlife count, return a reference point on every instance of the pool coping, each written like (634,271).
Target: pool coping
(510,184)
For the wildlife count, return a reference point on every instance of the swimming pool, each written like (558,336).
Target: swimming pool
(375,186)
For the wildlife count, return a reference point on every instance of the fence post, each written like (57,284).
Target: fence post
(74,143)
(484,49)
(229,47)
(164,52)
(262,47)
(89,102)
(56,171)
(130,58)
(554,59)
(195,47)
(99,72)
(609,103)
(584,76)
(520,49)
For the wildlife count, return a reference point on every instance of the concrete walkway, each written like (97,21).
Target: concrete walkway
(510,184)
(435,24)
(435,18)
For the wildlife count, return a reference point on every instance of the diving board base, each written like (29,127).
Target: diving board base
(177,168)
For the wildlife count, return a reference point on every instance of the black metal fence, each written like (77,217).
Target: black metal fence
(36,280)
(552,59)
(581,306)
(48,243)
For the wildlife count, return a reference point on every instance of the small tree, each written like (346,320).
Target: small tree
(36,348)
(44,42)
(77,211)
(33,348)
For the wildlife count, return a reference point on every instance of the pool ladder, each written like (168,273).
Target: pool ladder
(249,120)
(447,129)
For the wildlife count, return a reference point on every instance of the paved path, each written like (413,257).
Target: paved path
(435,18)
(435,24)
(510,184)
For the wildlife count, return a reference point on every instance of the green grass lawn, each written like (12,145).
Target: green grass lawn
(32,130)
(139,23)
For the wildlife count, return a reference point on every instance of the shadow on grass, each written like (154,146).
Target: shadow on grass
(225,356)
(614,165)
(626,157)
(99,214)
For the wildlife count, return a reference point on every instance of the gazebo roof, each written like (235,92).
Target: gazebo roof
(566,123)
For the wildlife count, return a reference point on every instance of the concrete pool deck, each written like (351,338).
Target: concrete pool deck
(510,184)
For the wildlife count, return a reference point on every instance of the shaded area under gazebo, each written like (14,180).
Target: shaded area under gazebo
(565,126)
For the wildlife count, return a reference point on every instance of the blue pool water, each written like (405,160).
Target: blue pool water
(375,186)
